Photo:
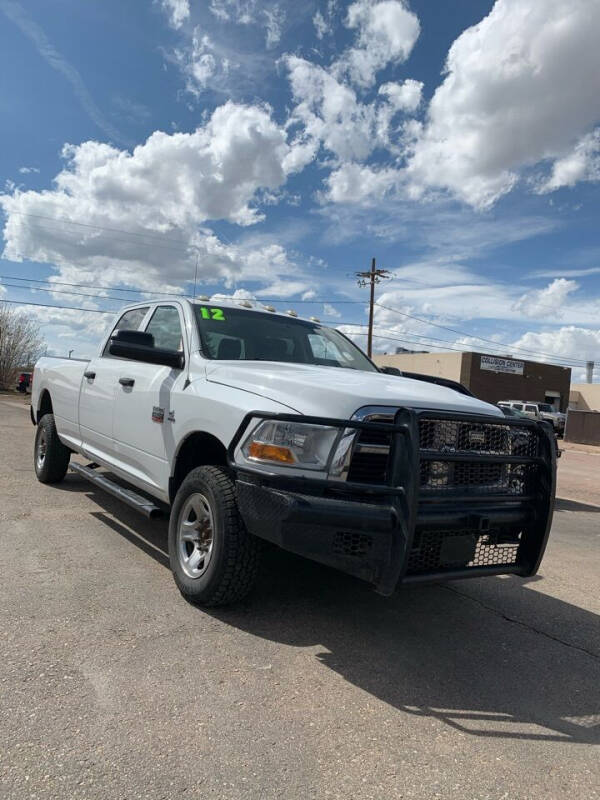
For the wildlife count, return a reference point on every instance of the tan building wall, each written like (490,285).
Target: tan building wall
(442,365)
(585,396)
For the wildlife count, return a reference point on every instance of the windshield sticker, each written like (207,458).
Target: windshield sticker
(212,313)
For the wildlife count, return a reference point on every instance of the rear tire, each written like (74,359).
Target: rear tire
(214,559)
(50,456)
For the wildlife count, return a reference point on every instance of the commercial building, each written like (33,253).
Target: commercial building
(490,377)
(585,397)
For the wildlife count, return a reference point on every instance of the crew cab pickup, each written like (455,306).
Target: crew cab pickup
(247,425)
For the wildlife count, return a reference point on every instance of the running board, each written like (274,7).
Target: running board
(137,501)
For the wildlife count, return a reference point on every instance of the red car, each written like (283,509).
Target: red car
(24,382)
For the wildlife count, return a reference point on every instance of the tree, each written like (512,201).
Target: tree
(21,343)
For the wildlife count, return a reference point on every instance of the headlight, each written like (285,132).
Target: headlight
(290,444)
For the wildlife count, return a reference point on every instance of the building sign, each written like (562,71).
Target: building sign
(495,364)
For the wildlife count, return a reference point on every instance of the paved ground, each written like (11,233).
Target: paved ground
(579,474)
(112,687)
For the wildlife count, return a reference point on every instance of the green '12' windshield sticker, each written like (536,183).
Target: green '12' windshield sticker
(212,313)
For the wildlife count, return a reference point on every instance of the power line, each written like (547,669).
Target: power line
(499,346)
(559,361)
(63,308)
(375,335)
(157,240)
(464,333)
(89,286)
(314,300)
(61,291)
(145,235)
(119,299)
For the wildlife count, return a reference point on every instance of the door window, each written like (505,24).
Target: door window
(518,406)
(531,409)
(165,326)
(130,321)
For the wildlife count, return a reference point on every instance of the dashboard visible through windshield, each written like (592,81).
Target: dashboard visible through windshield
(232,334)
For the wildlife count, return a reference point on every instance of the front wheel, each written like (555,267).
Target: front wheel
(51,457)
(213,558)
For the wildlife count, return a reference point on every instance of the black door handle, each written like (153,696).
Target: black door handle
(126,381)
(89,374)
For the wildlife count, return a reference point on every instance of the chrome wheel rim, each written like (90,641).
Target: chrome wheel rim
(42,449)
(195,535)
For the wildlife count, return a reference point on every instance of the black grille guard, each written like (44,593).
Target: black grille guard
(410,507)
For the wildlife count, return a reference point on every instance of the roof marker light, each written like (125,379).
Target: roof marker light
(272,309)
(315,319)
(244,303)
(291,312)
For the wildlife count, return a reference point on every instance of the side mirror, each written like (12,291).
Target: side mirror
(391,371)
(139,346)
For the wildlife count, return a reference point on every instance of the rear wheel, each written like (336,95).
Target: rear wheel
(51,457)
(214,559)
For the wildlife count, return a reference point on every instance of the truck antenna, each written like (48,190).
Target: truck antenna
(196,275)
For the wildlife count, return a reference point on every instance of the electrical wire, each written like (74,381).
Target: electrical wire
(470,335)
(500,346)
(63,308)
(336,322)
(558,360)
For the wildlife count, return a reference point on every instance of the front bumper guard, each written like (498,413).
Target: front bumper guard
(368,530)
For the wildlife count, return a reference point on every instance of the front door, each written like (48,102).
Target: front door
(96,398)
(143,419)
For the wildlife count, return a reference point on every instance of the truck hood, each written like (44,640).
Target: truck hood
(338,393)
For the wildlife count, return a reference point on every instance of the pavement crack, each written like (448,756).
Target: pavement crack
(516,621)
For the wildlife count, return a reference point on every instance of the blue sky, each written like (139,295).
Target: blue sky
(280,146)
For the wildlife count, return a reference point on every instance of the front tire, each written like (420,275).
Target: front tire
(213,558)
(51,457)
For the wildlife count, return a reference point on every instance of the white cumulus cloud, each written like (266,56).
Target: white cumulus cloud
(581,343)
(386,33)
(548,302)
(582,164)
(404,96)
(522,86)
(177,10)
(142,216)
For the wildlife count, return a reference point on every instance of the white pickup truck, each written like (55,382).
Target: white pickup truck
(252,425)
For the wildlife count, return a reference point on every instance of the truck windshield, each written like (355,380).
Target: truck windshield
(233,334)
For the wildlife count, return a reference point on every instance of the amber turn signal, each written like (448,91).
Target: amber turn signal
(271,452)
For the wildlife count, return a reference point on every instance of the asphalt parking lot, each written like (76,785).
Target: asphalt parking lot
(111,686)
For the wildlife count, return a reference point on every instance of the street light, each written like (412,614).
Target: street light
(71,351)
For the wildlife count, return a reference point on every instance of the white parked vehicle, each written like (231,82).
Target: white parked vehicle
(535,410)
(249,425)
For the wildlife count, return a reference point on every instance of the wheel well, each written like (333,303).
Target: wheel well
(45,405)
(199,449)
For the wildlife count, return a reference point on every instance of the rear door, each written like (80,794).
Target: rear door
(97,394)
(144,408)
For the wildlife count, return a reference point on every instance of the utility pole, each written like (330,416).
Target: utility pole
(371,277)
